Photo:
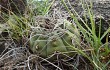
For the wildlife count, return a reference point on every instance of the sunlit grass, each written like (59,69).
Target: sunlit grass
(90,35)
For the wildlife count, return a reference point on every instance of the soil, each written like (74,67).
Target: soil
(15,6)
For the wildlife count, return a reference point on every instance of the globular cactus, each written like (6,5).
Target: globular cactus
(38,45)
(44,46)
(45,43)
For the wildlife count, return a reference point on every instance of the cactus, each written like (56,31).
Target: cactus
(45,43)
(56,46)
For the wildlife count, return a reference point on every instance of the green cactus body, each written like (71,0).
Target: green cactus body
(45,47)
(72,31)
(50,42)
(56,46)
(41,47)
(32,40)
(38,45)
(67,40)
